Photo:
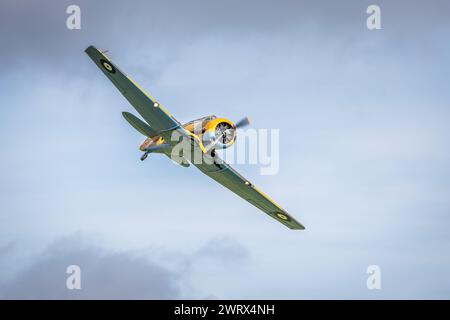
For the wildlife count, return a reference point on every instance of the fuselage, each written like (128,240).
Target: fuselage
(203,130)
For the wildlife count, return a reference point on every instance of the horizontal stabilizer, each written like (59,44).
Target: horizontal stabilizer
(139,125)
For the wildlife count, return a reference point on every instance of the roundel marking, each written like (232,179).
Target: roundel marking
(107,66)
(282,216)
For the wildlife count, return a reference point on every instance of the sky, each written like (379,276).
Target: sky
(363,118)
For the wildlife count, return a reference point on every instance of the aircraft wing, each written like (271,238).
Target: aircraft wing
(224,174)
(163,123)
(153,113)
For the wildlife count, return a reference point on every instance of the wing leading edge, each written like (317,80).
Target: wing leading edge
(224,174)
(153,113)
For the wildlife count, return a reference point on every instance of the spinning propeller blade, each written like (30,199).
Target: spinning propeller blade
(243,123)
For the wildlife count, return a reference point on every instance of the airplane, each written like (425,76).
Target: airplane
(203,135)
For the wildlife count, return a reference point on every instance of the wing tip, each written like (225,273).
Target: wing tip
(298,227)
(90,48)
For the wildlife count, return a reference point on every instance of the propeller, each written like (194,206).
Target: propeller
(242,123)
(222,136)
(223,130)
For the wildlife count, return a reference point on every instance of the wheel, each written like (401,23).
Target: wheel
(144,156)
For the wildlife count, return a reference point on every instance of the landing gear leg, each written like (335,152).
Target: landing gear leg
(144,156)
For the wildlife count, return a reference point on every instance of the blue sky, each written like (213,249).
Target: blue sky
(363,118)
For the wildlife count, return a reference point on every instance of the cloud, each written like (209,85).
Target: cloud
(35,33)
(223,248)
(363,118)
(6,249)
(104,274)
(108,274)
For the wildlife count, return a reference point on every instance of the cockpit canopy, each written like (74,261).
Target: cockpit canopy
(200,120)
(198,123)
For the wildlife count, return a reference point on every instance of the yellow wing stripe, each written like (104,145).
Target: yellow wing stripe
(140,88)
(268,198)
(103,54)
(149,96)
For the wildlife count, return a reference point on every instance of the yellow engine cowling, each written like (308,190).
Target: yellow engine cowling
(220,131)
